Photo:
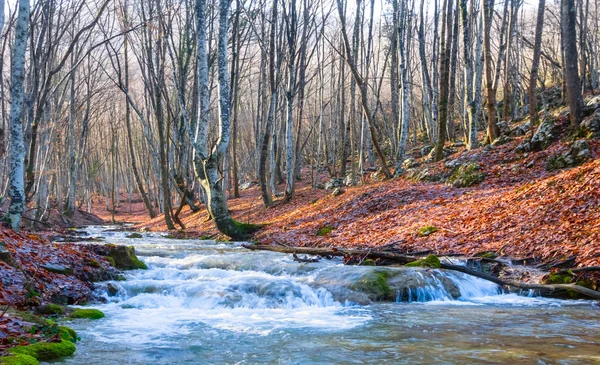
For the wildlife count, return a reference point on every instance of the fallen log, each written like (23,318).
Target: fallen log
(547,290)
(401,259)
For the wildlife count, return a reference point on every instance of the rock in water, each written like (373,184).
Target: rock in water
(124,258)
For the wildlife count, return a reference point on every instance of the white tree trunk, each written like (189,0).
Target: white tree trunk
(17,151)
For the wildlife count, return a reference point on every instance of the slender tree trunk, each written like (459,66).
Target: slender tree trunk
(572,81)
(487,12)
(17,149)
(134,168)
(537,47)
(207,165)
(471,108)
(444,78)
(290,150)
(363,93)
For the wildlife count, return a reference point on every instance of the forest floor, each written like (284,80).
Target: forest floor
(519,210)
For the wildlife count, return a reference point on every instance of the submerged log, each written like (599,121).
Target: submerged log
(547,290)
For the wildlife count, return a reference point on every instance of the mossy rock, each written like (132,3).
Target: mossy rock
(465,176)
(51,309)
(324,231)
(68,334)
(426,231)
(247,228)
(374,284)
(124,258)
(565,277)
(87,313)
(134,235)
(46,350)
(431,261)
(18,359)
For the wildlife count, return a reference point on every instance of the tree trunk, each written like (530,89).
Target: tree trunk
(487,12)
(569,42)
(17,151)
(537,47)
(444,78)
(207,165)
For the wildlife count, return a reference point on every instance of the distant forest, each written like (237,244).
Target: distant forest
(183,101)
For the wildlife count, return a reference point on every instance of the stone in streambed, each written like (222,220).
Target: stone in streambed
(124,258)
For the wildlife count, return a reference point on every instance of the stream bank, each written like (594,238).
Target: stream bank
(217,302)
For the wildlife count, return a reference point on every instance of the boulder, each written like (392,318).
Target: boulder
(465,176)
(447,151)
(544,136)
(503,139)
(337,192)
(5,255)
(409,163)
(591,105)
(124,258)
(425,150)
(335,182)
(452,164)
(134,235)
(525,146)
(521,130)
(378,175)
(504,128)
(591,125)
(58,269)
(578,153)
(350,180)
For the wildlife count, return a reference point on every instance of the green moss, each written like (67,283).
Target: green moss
(94,263)
(564,277)
(138,264)
(431,261)
(88,313)
(465,176)
(46,350)
(556,162)
(29,317)
(111,261)
(134,235)
(426,231)
(247,228)
(487,255)
(50,309)
(124,258)
(68,334)
(375,285)
(18,359)
(324,231)
(369,262)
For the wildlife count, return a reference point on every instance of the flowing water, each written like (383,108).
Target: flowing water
(206,302)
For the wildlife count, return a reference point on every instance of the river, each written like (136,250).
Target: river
(206,302)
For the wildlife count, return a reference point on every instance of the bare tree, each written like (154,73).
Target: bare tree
(17,150)
(569,42)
